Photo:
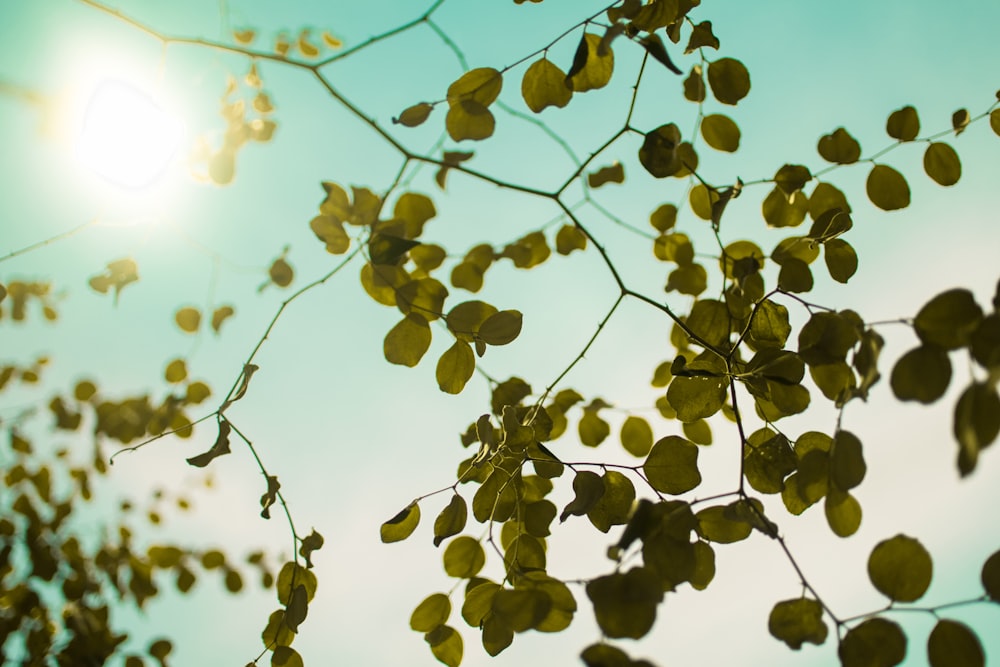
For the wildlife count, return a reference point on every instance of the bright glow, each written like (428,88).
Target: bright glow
(126,137)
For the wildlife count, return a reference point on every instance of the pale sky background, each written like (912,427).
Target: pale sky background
(353,439)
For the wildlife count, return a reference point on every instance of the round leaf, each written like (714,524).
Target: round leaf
(942,164)
(501,328)
(455,367)
(797,621)
(636,436)
(414,115)
(188,319)
(903,124)
(839,147)
(991,576)
(464,557)
(900,568)
(672,465)
(402,525)
(432,613)
(887,188)
(841,259)
(720,132)
(543,85)
(949,319)
(729,80)
(922,374)
(875,643)
(406,343)
(953,644)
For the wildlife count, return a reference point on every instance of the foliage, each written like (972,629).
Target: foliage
(749,352)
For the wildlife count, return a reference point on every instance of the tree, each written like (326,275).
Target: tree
(441,200)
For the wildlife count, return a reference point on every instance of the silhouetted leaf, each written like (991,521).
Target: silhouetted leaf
(903,124)
(588,487)
(614,173)
(220,447)
(701,36)
(941,163)
(990,576)
(694,85)
(729,80)
(841,259)
(570,238)
(414,115)
(615,504)
(977,423)
(877,642)
(900,568)
(954,644)
(720,132)
(451,521)
(659,154)
(446,645)
(791,178)
(949,319)
(625,603)
(654,47)
(591,69)
(922,374)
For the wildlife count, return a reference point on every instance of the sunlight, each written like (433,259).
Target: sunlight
(125,137)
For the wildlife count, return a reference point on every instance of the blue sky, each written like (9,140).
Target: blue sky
(353,439)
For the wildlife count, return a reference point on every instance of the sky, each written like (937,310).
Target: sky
(353,439)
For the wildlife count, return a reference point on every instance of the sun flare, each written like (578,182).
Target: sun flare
(125,136)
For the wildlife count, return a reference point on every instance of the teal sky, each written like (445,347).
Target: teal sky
(352,438)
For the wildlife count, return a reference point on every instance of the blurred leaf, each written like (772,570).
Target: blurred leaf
(720,132)
(877,642)
(590,69)
(954,644)
(729,80)
(220,447)
(797,621)
(544,85)
(446,645)
(414,115)
(625,603)
(922,374)
(941,163)
(903,124)
(900,568)
(839,147)
(431,613)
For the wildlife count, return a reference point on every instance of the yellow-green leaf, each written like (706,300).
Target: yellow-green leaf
(841,259)
(481,85)
(781,210)
(455,367)
(464,557)
(570,238)
(286,656)
(922,374)
(176,371)
(596,69)
(797,621)
(887,188)
(843,513)
(450,521)
(431,613)
(406,343)
(718,524)
(769,327)
(188,319)
(625,603)
(402,525)
(469,120)
(995,121)
(729,80)
(614,173)
(954,644)
(636,436)
(544,85)
(446,645)
(720,132)
(501,328)
(900,568)
(672,465)
(696,398)
(990,576)
(949,319)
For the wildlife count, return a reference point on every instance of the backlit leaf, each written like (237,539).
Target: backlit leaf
(615,504)
(592,429)
(478,603)
(797,621)
(469,120)
(290,577)
(455,367)
(847,462)
(614,173)
(431,613)
(769,327)
(995,121)
(839,147)
(659,154)
(694,85)
(636,436)
(672,465)
(401,525)
(941,163)
(219,448)
(220,315)
(406,343)
(176,371)
(696,398)
(446,645)
(588,487)
(188,319)
(843,513)
(977,423)
(877,642)
(900,568)
(826,197)
(570,238)
(720,132)
(481,85)
(922,374)
(954,644)
(286,656)
(501,328)
(451,521)
(654,47)
(464,557)
(544,85)
(497,635)
(887,188)
(781,210)
(729,80)
(591,69)
(716,524)
(990,576)
(903,124)
(767,460)
(841,259)
(791,178)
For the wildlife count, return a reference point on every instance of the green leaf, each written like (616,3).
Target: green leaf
(497,636)
(415,115)
(478,603)
(636,436)
(839,147)
(704,566)
(990,576)
(387,248)
(977,423)
(570,238)
(286,656)
(691,280)
(591,69)
(717,524)
(464,557)
(781,210)
(615,504)
(827,338)
(605,655)
(826,197)
(791,178)
(674,248)
(481,85)
(797,621)
(659,154)
(767,460)
(720,132)
(592,429)
(954,644)
(290,577)
(501,328)
(922,374)
(625,603)
(469,120)
(843,513)
(455,367)
(544,85)
(729,80)
(769,327)
(431,613)
(219,448)
(795,276)
(887,188)
(521,609)
(985,342)
(942,164)
(949,319)
(406,343)
(900,568)
(276,633)
(847,462)
(877,642)
(614,173)
(672,465)
(450,521)
(903,124)
(841,259)
(588,487)
(695,398)
(446,645)
(297,608)
(654,47)
(701,36)
(694,85)
(402,525)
